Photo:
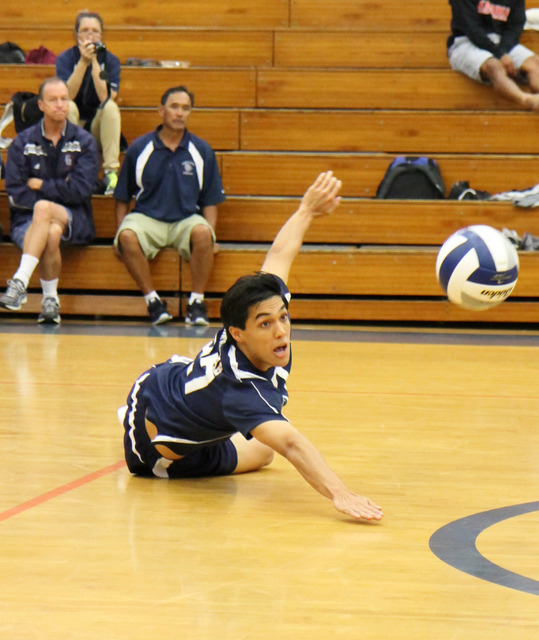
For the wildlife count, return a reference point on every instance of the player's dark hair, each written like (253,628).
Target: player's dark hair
(180,89)
(246,292)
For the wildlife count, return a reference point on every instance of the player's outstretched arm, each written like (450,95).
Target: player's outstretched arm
(296,448)
(320,199)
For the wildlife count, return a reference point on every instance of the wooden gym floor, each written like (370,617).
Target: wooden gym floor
(439,427)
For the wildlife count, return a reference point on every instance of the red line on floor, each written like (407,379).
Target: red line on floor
(54,493)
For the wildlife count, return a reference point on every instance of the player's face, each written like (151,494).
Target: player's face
(55,102)
(266,337)
(176,111)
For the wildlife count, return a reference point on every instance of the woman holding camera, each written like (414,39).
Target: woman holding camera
(92,75)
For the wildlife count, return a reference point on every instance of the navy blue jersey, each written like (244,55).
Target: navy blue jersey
(170,185)
(202,401)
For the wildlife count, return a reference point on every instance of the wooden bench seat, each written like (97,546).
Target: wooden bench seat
(279,48)
(365,15)
(143,87)
(220,127)
(193,13)
(330,283)
(289,173)
(370,131)
(279,88)
(356,222)
(207,47)
(400,131)
(374,89)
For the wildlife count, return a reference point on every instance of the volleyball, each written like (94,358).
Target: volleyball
(477,267)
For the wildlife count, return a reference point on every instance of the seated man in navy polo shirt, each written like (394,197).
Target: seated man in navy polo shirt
(174,177)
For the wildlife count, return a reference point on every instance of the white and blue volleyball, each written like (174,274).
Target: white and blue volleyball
(477,267)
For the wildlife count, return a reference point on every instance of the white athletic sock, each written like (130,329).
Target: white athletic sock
(26,268)
(196,297)
(151,296)
(50,288)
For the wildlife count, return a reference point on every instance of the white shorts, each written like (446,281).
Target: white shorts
(465,57)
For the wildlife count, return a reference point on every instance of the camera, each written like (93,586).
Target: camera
(99,47)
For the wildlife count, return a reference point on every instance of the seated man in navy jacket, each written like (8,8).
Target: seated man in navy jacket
(51,171)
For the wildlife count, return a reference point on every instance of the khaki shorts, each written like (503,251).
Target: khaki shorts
(154,235)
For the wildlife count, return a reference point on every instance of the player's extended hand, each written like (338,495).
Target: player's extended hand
(358,507)
(322,197)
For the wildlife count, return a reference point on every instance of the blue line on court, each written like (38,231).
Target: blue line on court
(455,544)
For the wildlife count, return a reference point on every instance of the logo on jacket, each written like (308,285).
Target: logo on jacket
(188,168)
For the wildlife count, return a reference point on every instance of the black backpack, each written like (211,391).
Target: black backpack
(11,53)
(26,111)
(412,178)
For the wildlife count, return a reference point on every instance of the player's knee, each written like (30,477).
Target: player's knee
(127,241)
(111,109)
(266,457)
(492,69)
(201,237)
(531,66)
(42,211)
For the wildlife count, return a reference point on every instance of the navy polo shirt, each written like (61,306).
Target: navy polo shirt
(170,185)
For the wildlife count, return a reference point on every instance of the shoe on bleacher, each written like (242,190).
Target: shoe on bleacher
(196,314)
(110,180)
(14,296)
(157,310)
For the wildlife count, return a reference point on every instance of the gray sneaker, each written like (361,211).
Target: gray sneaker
(50,311)
(14,296)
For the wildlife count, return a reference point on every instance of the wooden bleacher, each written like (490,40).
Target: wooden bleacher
(284,90)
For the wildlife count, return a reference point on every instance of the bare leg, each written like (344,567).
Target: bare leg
(252,454)
(493,70)
(531,68)
(49,222)
(201,262)
(135,261)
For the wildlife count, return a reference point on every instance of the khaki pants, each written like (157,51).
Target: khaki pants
(106,129)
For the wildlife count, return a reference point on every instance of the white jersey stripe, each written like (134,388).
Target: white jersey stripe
(199,163)
(142,159)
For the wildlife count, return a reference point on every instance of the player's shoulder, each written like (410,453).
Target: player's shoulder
(140,143)
(203,146)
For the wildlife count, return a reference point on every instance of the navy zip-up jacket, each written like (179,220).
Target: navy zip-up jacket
(68,170)
(477,18)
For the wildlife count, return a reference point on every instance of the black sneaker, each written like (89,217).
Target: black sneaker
(157,309)
(197,314)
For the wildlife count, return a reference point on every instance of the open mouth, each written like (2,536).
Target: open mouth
(281,350)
